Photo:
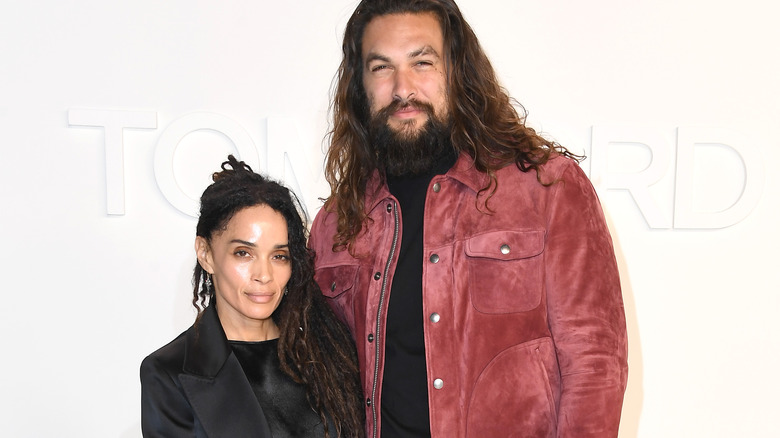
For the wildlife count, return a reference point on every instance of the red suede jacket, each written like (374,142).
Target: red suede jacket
(525,332)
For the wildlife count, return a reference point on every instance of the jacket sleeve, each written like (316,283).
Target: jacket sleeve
(165,412)
(585,309)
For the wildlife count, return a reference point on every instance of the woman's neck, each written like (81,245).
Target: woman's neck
(238,328)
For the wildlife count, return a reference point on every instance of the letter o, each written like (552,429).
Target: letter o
(169,140)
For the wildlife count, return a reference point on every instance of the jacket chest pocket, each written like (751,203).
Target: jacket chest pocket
(506,270)
(338,285)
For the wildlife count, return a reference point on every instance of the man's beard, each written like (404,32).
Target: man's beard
(409,151)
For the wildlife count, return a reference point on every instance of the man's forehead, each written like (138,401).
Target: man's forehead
(414,33)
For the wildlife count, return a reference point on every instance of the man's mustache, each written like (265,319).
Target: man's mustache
(384,114)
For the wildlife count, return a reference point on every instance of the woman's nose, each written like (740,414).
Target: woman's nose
(263,272)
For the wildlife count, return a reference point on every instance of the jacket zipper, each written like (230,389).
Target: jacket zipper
(379,316)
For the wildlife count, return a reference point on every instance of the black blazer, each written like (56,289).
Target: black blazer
(195,387)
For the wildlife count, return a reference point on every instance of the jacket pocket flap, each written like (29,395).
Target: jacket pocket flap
(506,245)
(336,280)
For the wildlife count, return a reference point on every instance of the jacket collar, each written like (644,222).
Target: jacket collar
(206,347)
(215,384)
(463,171)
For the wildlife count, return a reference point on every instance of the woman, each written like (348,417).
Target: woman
(265,356)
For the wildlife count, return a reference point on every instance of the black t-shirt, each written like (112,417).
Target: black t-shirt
(405,381)
(284,401)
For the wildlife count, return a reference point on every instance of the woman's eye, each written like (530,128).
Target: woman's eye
(282,257)
(242,253)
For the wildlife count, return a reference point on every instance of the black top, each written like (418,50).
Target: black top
(284,402)
(405,381)
(194,387)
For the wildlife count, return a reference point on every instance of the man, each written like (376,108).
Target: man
(468,255)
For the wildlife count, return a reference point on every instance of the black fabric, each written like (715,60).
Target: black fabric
(405,381)
(283,400)
(195,387)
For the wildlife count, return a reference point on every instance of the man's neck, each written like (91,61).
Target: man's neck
(443,163)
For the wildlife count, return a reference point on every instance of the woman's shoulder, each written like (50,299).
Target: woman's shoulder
(168,358)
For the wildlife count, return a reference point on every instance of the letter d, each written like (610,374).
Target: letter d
(684,214)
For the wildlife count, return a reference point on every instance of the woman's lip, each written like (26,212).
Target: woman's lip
(260,297)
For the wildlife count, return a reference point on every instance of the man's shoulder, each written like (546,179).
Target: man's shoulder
(550,171)
(325,219)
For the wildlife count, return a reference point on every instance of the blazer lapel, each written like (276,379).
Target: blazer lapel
(216,385)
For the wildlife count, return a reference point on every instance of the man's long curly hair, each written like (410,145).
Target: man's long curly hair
(485,124)
(314,347)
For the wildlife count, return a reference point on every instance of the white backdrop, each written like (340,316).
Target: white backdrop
(114,114)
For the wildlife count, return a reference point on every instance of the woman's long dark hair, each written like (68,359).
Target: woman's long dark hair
(314,347)
(485,124)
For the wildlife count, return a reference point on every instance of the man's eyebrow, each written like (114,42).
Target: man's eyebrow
(373,56)
(425,50)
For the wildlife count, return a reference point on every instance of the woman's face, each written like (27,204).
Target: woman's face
(250,266)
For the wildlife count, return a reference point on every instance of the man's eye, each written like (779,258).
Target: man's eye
(378,68)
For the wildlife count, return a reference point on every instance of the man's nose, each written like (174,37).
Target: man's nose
(403,88)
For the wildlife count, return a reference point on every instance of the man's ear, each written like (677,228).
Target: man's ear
(203,252)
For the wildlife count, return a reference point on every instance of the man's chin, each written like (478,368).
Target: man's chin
(408,130)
